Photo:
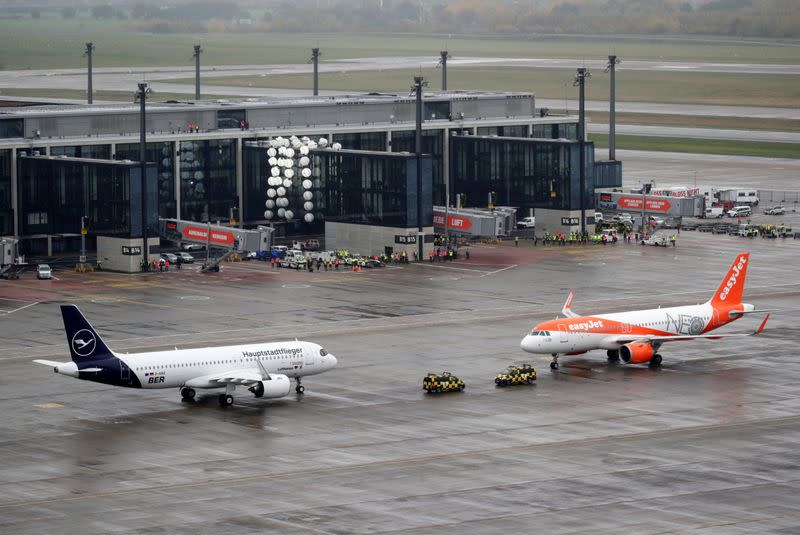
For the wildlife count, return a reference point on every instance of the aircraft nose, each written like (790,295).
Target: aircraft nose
(332,361)
(528,344)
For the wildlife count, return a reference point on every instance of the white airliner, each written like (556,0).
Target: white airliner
(636,336)
(265,369)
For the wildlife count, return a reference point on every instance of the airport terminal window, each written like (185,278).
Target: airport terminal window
(98,152)
(208,179)
(525,173)
(436,110)
(362,140)
(12,128)
(230,118)
(163,156)
(433,144)
(6,213)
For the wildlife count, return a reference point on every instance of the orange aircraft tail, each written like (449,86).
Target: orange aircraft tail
(730,290)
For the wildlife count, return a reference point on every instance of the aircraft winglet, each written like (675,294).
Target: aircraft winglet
(763,324)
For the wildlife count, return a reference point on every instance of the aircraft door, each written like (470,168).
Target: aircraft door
(310,356)
(562,333)
(124,373)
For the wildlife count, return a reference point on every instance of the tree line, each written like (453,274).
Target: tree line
(737,18)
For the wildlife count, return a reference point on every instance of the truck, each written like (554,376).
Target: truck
(738,196)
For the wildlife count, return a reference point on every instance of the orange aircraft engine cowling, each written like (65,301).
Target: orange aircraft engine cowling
(636,352)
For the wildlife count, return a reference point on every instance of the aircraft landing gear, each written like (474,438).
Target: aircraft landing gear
(299,388)
(226,400)
(554,364)
(187,394)
(655,362)
(613,355)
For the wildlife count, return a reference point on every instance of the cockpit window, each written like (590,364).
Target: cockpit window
(535,333)
(322,352)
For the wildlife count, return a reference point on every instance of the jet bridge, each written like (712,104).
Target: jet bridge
(224,241)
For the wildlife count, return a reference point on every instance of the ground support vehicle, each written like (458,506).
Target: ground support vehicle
(516,375)
(434,383)
(656,239)
(43,271)
(748,231)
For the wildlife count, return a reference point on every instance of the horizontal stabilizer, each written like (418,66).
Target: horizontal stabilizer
(50,363)
(737,313)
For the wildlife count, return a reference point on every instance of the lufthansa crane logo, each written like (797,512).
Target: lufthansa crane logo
(83,343)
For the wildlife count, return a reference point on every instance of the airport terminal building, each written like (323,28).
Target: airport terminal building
(208,161)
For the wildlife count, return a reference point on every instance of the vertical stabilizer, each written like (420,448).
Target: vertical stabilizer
(732,286)
(85,345)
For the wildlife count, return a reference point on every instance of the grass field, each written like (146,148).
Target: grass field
(51,42)
(700,146)
(118,96)
(641,86)
(700,121)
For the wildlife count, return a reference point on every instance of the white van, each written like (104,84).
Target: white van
(740,211)
(714,212)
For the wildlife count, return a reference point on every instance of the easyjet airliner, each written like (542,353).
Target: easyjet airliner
(636,336)
(264,369)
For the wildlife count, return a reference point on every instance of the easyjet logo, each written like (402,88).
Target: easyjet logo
(733,279)
(585,326)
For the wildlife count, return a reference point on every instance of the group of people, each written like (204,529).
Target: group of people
(156,265)
(444,254)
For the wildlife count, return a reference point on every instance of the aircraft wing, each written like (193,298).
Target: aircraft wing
(567,309)
(240,376)
(622,339)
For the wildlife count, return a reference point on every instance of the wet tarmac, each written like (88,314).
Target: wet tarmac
(707,443)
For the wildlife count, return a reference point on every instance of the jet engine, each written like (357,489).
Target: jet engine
(636,352)
(276,386)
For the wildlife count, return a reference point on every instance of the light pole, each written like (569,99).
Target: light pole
(613,61)
(417,88)
(580,81)
(141,95)
(315,54)
(197,51)
(88,54)
(443,57)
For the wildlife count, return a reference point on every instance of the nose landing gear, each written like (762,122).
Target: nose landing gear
(554,364)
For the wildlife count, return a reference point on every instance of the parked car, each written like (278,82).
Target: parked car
(598,217)
(185,258)
(740,211)
(43,271)
(775,210)
(169,257)
(527,222)
(657,220)
(623,218)
(193,247)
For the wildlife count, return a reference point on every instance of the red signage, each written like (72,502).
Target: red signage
(635,203)
(201,234)
(454,221)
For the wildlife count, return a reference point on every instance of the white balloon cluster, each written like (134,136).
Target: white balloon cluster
(284,155)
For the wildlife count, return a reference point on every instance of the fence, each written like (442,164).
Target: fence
(790,199)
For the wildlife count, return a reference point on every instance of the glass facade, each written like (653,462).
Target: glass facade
(55,193)
(376,188)
(506,131)
(99,152)
(432,144)
(556,131)
(208,179)
(164,157)
(374,141)
(230,118)
(12,128)
(526,173)
(6,212)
